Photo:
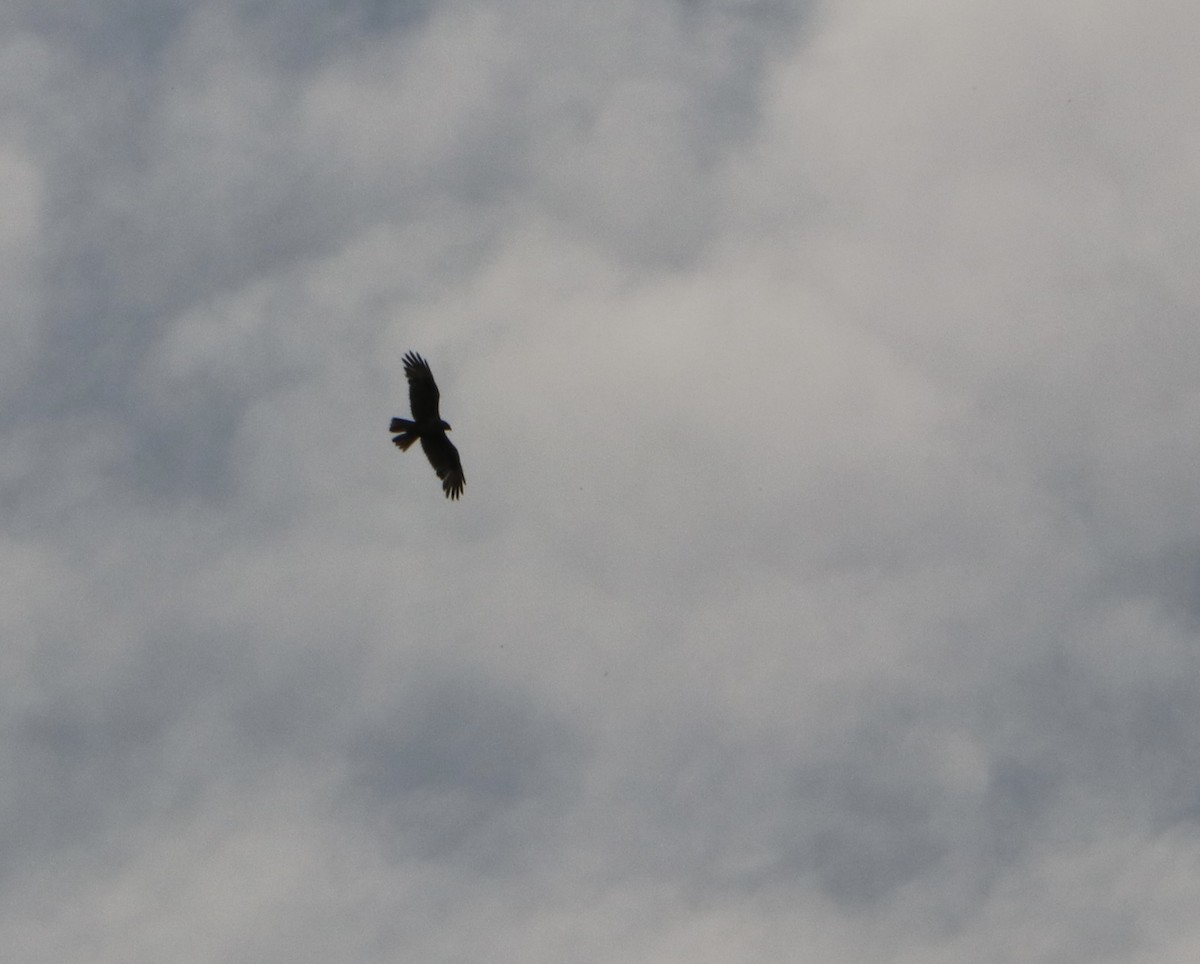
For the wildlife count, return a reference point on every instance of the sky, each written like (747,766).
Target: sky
(826,586)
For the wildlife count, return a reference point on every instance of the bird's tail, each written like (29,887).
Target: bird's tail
(407,432)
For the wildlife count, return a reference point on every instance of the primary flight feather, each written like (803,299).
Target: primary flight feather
(427,425)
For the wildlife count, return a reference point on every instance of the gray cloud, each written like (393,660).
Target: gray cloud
(826,576)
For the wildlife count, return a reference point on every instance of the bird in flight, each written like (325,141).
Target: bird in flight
(427,425)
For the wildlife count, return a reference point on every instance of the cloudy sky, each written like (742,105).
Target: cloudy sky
(827,582)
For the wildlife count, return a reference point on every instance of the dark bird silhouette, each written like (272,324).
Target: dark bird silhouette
(427,425)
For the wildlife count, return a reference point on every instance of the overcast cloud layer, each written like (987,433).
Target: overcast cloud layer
(827,582)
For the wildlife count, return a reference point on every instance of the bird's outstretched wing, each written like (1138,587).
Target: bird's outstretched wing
(427,425)
(443,456)
(423,392)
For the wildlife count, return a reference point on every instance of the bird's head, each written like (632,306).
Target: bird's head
(445,426)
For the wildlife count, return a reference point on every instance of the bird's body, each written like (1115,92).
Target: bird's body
(427,425)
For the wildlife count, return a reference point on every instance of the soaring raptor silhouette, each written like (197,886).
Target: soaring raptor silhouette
(427,425)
